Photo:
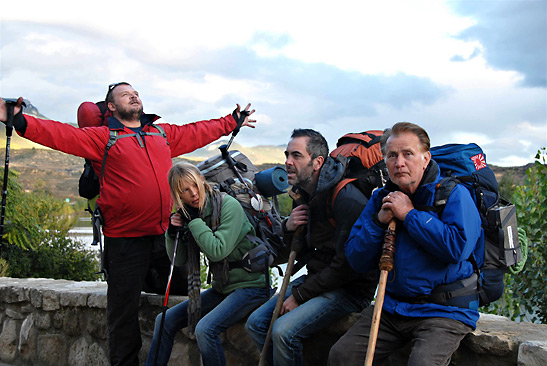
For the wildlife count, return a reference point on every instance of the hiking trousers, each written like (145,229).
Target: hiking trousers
(293,327)
(126,261)
(434,340)
(219,312)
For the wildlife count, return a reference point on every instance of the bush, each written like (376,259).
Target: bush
(35,238)
(525,296)
(63,258)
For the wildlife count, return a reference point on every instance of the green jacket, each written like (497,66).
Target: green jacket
(228,241)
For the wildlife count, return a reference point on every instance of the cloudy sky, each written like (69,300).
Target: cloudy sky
(467,71)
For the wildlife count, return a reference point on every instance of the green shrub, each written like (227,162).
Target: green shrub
(525,296)
(35,238)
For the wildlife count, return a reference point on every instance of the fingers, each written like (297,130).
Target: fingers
(249,123)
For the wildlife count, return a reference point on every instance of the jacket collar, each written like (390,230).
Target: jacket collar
(146,120)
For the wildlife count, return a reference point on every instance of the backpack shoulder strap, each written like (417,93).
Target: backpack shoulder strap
(443,189)
(334,194)
(161,133)
(111,141)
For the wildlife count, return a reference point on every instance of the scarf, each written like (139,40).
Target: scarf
(194,278)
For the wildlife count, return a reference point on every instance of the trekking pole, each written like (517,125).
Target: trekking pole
(386,265)
(296,246)
(10,105)
(166,297)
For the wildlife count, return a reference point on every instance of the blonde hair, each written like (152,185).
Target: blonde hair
(187,173)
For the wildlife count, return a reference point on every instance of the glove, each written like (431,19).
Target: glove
(18,121)
(242,115)
(172,230)
(193,213)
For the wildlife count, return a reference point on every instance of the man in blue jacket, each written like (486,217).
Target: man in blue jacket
(431,257)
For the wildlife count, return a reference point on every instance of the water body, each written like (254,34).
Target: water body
(83,232)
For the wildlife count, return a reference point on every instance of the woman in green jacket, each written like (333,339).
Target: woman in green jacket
(221,236)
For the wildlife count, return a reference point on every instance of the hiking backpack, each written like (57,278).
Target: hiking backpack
(364,164)
(94,115)
(466,165)
(233,173)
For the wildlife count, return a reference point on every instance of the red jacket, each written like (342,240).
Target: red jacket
(135,199)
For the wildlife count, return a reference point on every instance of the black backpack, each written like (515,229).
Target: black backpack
(466,165)
(233,173)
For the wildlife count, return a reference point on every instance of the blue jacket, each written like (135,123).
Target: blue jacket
(429,251)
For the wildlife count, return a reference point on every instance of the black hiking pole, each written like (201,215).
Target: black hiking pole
(10,104)
(166,298)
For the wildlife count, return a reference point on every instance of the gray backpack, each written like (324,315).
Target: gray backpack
(251,188)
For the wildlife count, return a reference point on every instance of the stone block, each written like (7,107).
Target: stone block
(52,350)
(96,323)
(36,297)
(72,321)
(14,294)
(97,300)
(96,356)
(532,353)
(27,308)
(8,340)
(11,313)
(77,353)
(27,338)
(50,300)
(73,299)
(42,320)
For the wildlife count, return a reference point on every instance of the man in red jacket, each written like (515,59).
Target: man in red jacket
(134,193)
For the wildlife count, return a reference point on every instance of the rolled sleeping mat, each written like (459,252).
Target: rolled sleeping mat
(271,182)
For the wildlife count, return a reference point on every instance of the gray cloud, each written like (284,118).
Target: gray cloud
(513,33)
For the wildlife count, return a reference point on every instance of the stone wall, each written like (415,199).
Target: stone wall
(57,322)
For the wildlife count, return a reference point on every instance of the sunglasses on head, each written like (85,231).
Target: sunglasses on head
(112,86)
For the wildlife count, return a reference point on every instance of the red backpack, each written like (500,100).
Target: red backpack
(365,166)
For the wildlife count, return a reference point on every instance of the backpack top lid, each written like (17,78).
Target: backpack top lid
(93,114)
(463,160)
(363,145)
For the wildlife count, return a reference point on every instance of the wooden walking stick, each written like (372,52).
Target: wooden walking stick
(386,264)
(296,245)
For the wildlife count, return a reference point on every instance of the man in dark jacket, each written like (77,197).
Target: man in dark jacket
(134,194)
(432,257)
(331,289)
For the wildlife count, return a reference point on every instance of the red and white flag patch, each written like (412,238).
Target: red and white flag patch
(479,161)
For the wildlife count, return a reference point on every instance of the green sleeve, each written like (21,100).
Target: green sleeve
(220,244)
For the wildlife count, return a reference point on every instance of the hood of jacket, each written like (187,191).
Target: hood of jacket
(331,173)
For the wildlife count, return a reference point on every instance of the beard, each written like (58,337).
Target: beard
(304,177)
(133,112)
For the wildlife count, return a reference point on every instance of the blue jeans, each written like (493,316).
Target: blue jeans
(290,329)
(219,312)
